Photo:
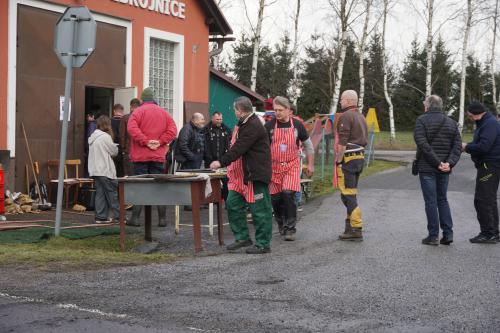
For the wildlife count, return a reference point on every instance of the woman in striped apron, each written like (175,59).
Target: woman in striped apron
(286,133)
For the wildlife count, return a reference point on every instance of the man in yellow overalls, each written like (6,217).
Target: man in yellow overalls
(351,138)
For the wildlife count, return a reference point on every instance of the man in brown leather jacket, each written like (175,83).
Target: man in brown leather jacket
(351,139)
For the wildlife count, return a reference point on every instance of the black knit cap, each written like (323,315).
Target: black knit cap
(476,108)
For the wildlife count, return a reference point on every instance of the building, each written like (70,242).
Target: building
(159,43)
(223,91)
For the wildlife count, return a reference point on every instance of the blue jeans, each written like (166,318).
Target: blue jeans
(434,188)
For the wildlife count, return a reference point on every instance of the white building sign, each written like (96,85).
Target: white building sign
(61,109)
(168,7)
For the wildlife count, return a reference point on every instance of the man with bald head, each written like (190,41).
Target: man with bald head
(351,137)
(191,143)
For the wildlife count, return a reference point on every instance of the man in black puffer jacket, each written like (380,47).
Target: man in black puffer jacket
(438,151)
(190,146)
(485,153)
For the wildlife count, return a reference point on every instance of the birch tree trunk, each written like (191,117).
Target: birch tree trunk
(362,55)
(340,69)
(428,74)
(295,57)
(342,50)
(384,63)
(256,44)
(464,64)
(493,58)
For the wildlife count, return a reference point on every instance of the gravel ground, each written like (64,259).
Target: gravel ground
(388,283)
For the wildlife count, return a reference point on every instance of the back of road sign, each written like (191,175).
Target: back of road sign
(75,36)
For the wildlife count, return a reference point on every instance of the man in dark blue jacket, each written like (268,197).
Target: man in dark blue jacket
(485,153)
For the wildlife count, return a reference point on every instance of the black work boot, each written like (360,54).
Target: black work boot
(134,220)
(239,244)
(446,240)
(354,235)
(289,235)
(483,239)
(497,238)
(290,229)
(431,241)
(258,250)
(347,230)
(162,216)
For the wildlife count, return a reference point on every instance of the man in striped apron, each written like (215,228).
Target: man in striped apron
(248,164)
(351,138)
(286,133)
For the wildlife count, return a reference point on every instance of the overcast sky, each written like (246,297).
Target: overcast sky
(404,24)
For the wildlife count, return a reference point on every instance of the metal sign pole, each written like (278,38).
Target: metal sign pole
(323,147)
(64,135)
(64,143)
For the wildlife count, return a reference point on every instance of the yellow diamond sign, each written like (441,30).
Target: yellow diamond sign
(372,121)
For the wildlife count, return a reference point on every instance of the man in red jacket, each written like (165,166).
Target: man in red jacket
(151,130)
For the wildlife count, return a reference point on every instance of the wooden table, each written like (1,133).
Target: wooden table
(164,191)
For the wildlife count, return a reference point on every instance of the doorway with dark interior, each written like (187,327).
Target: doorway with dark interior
(98,101)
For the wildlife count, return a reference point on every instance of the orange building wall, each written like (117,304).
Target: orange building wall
(193,28)
(4,6)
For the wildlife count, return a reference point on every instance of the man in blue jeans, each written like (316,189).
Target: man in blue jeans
(438,151)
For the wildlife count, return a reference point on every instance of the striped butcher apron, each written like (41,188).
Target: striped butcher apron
(235,175)
(285,160)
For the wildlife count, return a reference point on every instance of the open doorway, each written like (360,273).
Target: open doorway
(98,101)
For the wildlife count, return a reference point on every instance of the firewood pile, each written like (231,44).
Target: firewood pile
(19,203)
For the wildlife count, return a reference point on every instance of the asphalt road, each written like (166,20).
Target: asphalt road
(388,283)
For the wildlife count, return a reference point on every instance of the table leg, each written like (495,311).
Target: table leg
(177,219)
(122,215)
(75,197)
(220,223)
(196,189)
(211,219)
(147,224)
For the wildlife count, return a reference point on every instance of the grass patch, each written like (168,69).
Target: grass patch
(324,186)
(403,141)
(59,253)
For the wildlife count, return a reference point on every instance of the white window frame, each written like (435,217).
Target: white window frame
(178,40)
(12,57)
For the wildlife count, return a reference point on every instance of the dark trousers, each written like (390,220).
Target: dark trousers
(485,198)
(119,166)
(106,198)
(285,210)
(434,189)
(143,168)
(128,166)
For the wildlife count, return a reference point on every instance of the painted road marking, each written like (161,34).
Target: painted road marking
(63,306)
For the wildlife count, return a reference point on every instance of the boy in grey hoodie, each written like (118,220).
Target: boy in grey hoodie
(101,168)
